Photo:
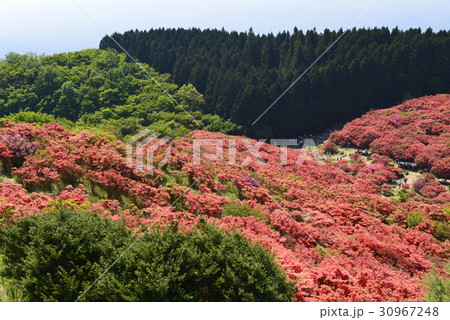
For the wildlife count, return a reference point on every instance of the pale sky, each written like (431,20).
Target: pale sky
(50,26)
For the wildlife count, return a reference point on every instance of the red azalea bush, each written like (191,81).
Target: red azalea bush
(5,153)
(417,130)
(330,147)
(75,194)
(16,202)
(428,187)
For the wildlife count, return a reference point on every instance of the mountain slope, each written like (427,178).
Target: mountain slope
(416,131)
(331,226)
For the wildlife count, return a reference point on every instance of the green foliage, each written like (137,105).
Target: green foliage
(438,287)
(189,96)
(321,251)
(57,256)
(442,231)
(8,290)
(169,128)
(30,117)
(403,195)
(447,209)
(215,123)
(241,210)
(67,104)
(202,265)
(36,117)
(414,219)
(99,90)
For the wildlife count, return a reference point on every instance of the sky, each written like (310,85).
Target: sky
(53,26)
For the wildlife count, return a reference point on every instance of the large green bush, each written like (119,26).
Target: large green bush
(55,257)
(204,264)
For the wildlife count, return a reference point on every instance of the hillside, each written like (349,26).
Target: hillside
(98,90)
(242,74)
(417,131)
(339,230)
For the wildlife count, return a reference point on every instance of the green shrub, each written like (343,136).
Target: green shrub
(414,219)
(403,195)
(438,288)
(442,231)
(204,264)
(241,210)
(57,256)
(54,257)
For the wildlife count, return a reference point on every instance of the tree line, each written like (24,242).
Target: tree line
(242,74)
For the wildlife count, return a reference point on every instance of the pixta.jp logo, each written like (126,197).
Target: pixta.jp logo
(147,151)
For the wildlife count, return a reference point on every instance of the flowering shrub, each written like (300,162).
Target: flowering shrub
(330,147)
(5,153)
(18,145)
(417,130)
(428,187)
(15,202)
(75,194)
(209,204)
